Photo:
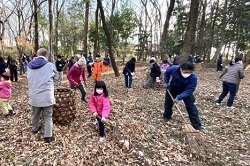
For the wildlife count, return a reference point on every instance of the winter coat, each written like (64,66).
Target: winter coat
(164,67)
(59,65)
(97,67)
(155,71)
(41,75)
(99,104)
(183,86)
(106,61)
(3,66)
(233,73)
(75,73)
(89,60)
(129,68)
(5,89)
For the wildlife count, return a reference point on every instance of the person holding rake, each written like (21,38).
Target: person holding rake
(181,87)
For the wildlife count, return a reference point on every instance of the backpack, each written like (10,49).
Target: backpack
(13,65)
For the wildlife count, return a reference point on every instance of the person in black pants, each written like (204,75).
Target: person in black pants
(89,64)
(219,64)
(182,85)
(13,69)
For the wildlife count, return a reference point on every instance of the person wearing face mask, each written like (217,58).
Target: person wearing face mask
(182,87)
(97,68)
(231,77)
(76,72)
(99,105)
(155,72)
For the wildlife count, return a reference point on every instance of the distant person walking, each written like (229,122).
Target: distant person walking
(89,64)
(219,64)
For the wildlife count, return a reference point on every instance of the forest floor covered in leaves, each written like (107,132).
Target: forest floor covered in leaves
(147,139)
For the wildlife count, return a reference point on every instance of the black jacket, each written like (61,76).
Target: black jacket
(129,68)
(3,66)
(155,71)
(59,65)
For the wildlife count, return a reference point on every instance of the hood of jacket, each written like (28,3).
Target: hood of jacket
(38,63)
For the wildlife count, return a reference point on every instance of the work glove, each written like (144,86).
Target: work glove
(158,79)
(132,73)
(176,100)
(166,85)
(75,83)
(103,119)
(95,114)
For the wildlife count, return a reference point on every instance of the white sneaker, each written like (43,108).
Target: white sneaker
(218,104)
(102,139)
(231,107)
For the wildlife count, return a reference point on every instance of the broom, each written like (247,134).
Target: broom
(194,137)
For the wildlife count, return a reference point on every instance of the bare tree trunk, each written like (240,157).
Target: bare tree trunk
(96,31)
(58,11)
(222,34)
(86,25)
(239,25)
(213,17)
(200,44)
(190,32)
(51,56)
(165,29)
(109,40)
(36,25)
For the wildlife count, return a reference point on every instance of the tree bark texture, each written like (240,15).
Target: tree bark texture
(109,40)
(190,32)
(96,32)
(86,25)
(51,56)
(165,29)
(36,34)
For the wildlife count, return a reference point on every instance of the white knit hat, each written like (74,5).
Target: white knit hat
(81,62)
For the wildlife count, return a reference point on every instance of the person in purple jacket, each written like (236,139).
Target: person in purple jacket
(76,72)
(99,105)
(182,87)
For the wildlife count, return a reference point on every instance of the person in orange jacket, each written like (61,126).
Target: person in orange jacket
(97,68)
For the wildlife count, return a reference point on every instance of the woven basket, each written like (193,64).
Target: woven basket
(159,85)
(64,110)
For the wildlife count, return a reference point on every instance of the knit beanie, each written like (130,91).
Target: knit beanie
(81,62)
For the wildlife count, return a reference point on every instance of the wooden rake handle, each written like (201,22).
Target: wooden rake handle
(177,107)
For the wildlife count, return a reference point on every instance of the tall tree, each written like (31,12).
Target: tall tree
(223,32)
(190,32)
(51,57)
(109,40)
(86,25)
(165,29)
(200,41)
(57,13)
(96,30)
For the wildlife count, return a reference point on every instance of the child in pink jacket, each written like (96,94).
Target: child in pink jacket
(5,94)
(99,105)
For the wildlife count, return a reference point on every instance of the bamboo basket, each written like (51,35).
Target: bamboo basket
(64,111)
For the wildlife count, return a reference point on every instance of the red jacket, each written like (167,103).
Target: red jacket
(75,73)
(99,104)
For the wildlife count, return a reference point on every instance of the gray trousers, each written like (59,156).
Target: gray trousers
(151,80)
(47,115)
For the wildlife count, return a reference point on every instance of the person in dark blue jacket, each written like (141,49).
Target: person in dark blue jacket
(182,87)
(3,65)
(129,71)
(89,64)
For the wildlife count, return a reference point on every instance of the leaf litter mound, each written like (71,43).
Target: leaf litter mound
(137,134)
